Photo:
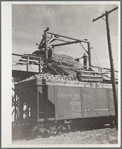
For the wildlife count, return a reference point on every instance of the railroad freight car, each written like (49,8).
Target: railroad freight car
(47,107)
(55,103)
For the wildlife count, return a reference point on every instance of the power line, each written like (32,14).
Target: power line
(96,57)
(83,47)
(95,62)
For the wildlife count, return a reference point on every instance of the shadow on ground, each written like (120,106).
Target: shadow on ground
(26,134)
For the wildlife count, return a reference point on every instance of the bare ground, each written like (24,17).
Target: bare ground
(95,136)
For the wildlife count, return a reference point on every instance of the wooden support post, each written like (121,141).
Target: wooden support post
(46,51)
(21,108)
(15,108)
(39,65)
(27,62)
(38,110)
(89,53)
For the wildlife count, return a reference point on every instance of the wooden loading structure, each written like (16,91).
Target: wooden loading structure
(41,58)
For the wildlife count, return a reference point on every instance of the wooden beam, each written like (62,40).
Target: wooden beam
(107,12)
(68,37)
(62,44)
(60,39)
(17,54)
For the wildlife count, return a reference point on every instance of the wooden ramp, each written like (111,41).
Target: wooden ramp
(91,76)
(24,66)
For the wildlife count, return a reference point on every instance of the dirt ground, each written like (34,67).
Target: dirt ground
(95,136)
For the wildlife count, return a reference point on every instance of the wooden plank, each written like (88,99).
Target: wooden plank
(17,54)
(21,63)
(91,79)
(31,56)
(93,72)
(88,76)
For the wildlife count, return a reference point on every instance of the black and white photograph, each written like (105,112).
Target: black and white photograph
(61,74)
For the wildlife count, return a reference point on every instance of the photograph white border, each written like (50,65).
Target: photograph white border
(6,74)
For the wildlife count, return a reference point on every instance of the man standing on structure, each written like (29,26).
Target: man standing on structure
(85,57)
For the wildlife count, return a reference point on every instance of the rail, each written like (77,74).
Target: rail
(27,58)
(106,72)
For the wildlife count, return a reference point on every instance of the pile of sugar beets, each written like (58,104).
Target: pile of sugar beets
(65,62)
(53,78)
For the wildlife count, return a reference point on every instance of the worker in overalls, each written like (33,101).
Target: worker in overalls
(85,57)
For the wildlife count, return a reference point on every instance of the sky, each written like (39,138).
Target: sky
(73,20)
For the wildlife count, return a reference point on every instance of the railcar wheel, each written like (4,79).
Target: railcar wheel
(44,132)
(25,131)
(34,132)
(63,129)
(112,124)
(53,130)
(15,131)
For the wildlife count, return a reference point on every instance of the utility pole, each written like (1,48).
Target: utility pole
(111,63)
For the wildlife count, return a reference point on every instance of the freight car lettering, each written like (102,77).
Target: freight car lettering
(75,103)
(87,96)
(74,96)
